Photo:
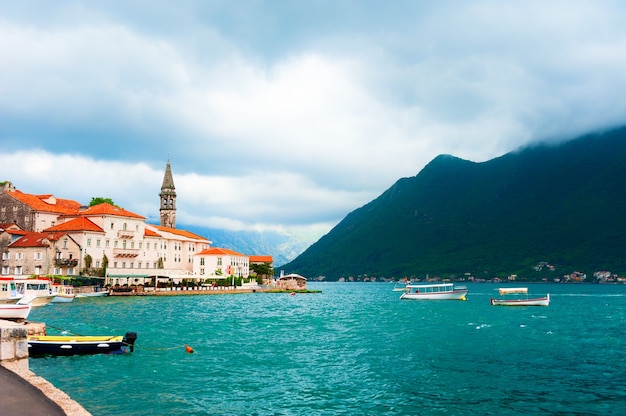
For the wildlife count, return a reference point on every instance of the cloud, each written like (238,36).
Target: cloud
(291,114)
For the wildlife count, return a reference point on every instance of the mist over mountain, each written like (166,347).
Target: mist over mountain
(282,247)
(562,205)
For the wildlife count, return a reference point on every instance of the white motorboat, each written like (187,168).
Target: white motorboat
(518,296)
(63,293)
(437,291)
(8,291)
(14,311)
(35,292)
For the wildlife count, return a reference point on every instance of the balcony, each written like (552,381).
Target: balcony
(125,252)
(66,262)
(125,234)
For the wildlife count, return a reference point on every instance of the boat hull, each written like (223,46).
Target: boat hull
(92,294)
(14,312)
(39,346)
(545,301)
(63,298)
(36,300)
(459,294)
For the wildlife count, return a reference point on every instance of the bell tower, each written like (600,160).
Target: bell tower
(168,199)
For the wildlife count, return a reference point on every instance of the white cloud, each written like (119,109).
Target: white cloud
(299,114)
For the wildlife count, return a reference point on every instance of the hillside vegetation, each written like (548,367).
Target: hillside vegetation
(561,204)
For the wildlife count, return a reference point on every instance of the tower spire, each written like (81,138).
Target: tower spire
(168,199)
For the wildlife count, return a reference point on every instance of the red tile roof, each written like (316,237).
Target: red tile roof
(33,239)
(46,203)
(176,231)
(149,233)
(216,251)
(261,259)
(77,224)
(108,209)
(30,239)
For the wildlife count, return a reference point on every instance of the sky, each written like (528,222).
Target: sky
(288,115)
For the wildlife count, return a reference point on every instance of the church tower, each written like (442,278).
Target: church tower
(168,199)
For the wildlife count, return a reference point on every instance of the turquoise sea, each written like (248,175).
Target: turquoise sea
(354,349)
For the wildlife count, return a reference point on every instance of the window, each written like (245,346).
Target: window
(65,243)
(111,225)
(97,263)
(6,256)
(20,256)
(38,256)
(18,270)
(123,265)
(201,261)
(89,242)
(98,243)
(124,226)
(38,270)
(219,261)
(106,243)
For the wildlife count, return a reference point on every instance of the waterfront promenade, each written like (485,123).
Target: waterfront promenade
(25,393)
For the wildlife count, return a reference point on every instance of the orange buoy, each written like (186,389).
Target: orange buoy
(188,349)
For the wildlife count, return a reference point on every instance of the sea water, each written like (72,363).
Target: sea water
(354,348)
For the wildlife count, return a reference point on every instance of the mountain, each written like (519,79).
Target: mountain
(560,204)
(282,247)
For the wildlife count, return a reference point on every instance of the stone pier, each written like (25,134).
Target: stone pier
(14,357)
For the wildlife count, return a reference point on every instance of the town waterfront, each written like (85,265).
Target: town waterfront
(354,348)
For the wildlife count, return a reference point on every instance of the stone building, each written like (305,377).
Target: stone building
(32,212)
(44,253)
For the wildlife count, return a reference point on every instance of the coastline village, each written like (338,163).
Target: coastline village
(60,239)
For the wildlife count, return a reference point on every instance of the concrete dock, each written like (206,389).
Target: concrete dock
(25,393)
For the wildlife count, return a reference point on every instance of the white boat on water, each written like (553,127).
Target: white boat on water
(8,291)
(93,292)
(35,292)
(518,296)
(14,311)
(400,288)
(437,291)
(63,293)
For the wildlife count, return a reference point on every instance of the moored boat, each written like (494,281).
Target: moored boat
(8,291)
(518,296)
(14,311)
(437,291)
(35,292)
(400,288)
(63,293)
(63,345)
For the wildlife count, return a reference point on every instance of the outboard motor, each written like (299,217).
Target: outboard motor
(129,339)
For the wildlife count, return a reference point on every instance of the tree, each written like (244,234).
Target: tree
(99,200)
(105,264)
(264,269)
(88,261)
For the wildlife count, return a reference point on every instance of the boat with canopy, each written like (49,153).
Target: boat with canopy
(518,296)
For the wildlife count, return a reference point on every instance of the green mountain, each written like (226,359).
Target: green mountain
(563,204)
